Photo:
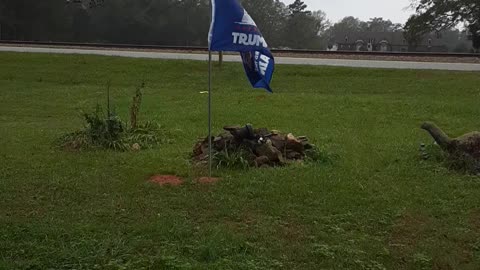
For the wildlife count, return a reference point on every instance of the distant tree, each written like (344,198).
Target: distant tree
(86,3)
(321,18)
(438,15)
(271,18)
(298,7)
(381,25)
(163,22)
(303,28)
(343,27)
(349,24)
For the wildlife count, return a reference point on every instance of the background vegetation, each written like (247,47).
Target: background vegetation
(186,23)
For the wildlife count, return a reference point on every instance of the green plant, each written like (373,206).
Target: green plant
(231,159)
(99,132)
(135,107)
(110,132)
(147,135)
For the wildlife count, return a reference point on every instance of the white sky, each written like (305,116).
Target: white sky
(394,10)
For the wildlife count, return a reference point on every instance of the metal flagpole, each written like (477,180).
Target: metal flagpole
(209,113)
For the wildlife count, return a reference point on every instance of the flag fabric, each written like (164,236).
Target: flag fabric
(232,29)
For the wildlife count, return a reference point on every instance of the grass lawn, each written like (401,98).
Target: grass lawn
(378,206)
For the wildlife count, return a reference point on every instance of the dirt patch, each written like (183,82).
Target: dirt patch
(406,233)
(166,180)
(243,224)
(293,232)
(208,180)
(475,220)
(261,98)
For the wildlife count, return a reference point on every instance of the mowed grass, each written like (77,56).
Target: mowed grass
(378,206)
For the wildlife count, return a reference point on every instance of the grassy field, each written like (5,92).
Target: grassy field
(378,206)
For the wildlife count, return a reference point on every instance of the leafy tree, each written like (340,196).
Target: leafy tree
(298,7)
(303,27)
(321,18)
(348,25)
(271,18)
(437,15)
(381,25)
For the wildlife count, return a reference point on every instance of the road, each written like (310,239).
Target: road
(232,58)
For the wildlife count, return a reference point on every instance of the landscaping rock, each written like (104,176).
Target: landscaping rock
(267,149)
(136,147)
(261,160)
(464,151)
(260,147)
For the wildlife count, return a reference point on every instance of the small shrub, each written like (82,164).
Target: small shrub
(107,131)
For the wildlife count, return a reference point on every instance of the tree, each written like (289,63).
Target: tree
(349,25)
(303,27)
(438,15)
(322,21)
(344,27)
(298,7)
(381,25)
(271,18)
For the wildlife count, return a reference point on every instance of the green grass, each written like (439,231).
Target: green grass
(377,206)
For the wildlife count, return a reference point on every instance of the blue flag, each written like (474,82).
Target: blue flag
(233,29)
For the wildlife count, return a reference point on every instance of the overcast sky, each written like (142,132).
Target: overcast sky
(393,10)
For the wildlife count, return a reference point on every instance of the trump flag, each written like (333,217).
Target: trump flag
(232,29)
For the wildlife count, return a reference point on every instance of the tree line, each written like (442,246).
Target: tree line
(186,22)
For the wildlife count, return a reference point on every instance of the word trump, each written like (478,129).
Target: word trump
(248,39)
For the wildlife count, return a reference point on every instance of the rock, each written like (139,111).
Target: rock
(302,138)
(291,155)
(273,154)
(231,128)
(261,160)
(241,133)
(260,147)
(223,141)
(262,132)
(136,147)
(294,144)
(463,150)
(200,150)
(468,143)
(278,141)
(308,146)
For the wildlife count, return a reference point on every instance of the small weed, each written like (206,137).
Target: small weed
(231,159)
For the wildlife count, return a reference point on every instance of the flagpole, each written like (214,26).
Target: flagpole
(209,113)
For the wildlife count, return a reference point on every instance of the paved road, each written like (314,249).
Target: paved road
(231,58)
